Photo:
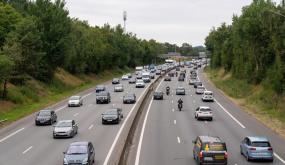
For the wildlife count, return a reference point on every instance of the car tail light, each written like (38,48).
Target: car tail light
(270,149)
(252,149)
(201,155)
(226,155)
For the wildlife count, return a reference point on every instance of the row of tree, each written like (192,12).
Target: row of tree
(37,37)
(253,46)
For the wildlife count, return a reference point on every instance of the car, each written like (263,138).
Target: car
(81,152)
(65,128)
(129,98)
(197,83)
(158,95)
(203,112)
(181,78)
(129,75)
(125,77)
(75,101)
(140,84)
(256,148)
(180,91)
(210,150)
(103,97)
(193,76)
(119,88)
(208,96)
(177,69)
(146,77)
(182,73)
(45,117)
(200,90)
(158,72)
(116,81)
(167,78)
(100,88)
(139,76)
(132,80)
(171,74)
(112,116)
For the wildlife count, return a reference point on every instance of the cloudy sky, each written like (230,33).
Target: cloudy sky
(174,21)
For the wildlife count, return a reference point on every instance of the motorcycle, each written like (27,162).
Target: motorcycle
(180,106)
(167,92)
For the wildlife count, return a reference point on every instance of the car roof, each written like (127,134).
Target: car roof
(212,139)
(75,97)
(65,121)
(204,107)
(158,92)
(100,86)
(82,143)
(180,88)
(45,110)
(257,139)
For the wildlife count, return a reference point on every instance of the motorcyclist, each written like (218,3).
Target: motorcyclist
(176,74)
(167,90)
(180,103)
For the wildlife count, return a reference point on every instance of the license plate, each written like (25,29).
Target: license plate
(110,120)
(219,157)
(208,158)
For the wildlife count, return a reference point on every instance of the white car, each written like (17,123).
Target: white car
(140,84)
(200,89)
(75,101)
(208,96)
(204,112)
(119,88)
(125,77)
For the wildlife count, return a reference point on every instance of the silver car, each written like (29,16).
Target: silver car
(200,89)
(208,96)
(203,113)
(75,101)
(65,128)
(119,88)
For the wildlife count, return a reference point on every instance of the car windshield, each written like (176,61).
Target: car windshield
(119,86)
(158,93)
(205,109)
(100,87)
(102,94)
(215,147)
(139,81)
(210,94)
(74,98)
(64,124)
(129,96)
(260,144)
(113,112)
(200,87)
(44,113)
(76,150)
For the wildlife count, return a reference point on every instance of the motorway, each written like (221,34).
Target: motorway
(166,135)
(23,143)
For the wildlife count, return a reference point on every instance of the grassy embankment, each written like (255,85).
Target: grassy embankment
(256,100)
(35,95)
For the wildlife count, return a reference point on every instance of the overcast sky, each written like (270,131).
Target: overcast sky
(173,21)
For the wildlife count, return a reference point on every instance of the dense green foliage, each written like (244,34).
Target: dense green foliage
(37,37)
(252,48)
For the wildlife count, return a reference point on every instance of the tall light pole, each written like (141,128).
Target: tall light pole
(125,19)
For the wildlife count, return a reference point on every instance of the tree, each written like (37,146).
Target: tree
(6,66)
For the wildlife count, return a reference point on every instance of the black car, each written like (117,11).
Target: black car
(158,95)
(100,88)
(210,150)
(79,153)
(129,98)
(171,74)
(103,97)
(116,81)
(112,116)
(181,78)
(197,83)
(45,117)
(167,78)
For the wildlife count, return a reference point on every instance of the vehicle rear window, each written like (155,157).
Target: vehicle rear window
(215,147)
(260,144)
(205,109)
(77,150)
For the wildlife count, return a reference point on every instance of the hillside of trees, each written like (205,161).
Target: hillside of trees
(252,48)
(37,37)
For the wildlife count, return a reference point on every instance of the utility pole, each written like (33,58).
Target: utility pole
(125,20)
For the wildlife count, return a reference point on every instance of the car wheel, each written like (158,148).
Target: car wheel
(247,157)
(241,151)
(211,119)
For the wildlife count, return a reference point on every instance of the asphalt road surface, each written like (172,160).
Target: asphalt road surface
(167,134)
(23,143)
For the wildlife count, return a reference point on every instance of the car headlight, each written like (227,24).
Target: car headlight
(85,161)
(65,161)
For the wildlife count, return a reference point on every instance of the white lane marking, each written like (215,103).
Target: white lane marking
(90,105)
(76,114)
(278,157)
(120,131)
(172,101)
(12,134)
(91,126)
(172,110)
(60,108)
(178,140)
(224,109)
(87,95)
(174,121)
(206,122)
(142,131)
(194,101)
(27,150)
